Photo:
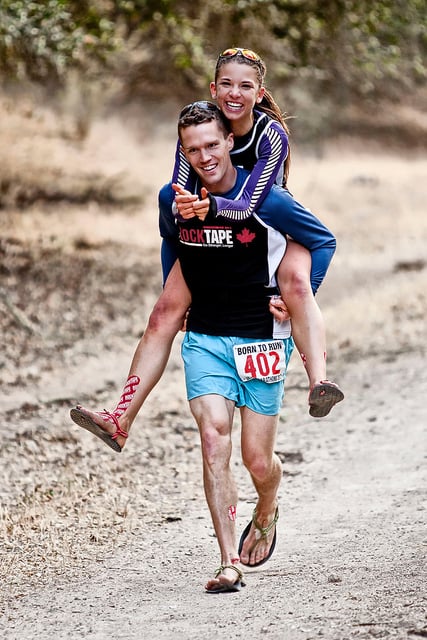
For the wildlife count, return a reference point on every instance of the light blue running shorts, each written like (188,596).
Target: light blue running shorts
(210,368)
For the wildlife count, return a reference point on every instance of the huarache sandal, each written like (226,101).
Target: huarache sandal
(261,534)
(228,587)
(323,397)
(83,420)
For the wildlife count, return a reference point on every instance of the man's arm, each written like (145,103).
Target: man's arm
(282,212)
(168,229)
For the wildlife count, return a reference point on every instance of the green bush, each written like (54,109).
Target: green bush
(41,40)
(344,48)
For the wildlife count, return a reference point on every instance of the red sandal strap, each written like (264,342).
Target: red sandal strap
(119,431)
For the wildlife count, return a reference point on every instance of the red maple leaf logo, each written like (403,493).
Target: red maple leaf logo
(246,236)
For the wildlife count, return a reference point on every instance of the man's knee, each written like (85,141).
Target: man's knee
(257,463)
(216,447)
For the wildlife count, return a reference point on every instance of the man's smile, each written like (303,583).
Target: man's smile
(209,167)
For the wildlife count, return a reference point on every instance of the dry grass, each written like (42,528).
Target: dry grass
(65,507)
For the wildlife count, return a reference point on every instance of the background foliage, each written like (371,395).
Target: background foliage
(365,45)
(345,50)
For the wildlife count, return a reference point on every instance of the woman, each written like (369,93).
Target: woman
(261,145)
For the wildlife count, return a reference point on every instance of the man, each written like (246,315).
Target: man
(167,317)
(235,353)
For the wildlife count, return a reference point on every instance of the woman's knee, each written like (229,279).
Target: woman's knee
(295,284)
(294,272)
(167,310)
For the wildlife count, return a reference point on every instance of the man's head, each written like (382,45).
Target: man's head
(200,112)
(206,141)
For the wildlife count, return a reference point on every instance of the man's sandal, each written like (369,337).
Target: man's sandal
(260,534)
(83,420)
(227,587)
(323,396)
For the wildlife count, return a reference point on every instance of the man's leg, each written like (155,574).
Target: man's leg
(214,417)
(150,358)
(257,443)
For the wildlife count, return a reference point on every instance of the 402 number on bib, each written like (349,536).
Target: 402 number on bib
(261,360)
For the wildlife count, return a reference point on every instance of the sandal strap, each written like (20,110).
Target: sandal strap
(228,566)
(327,383)
(119,431)
(264,531)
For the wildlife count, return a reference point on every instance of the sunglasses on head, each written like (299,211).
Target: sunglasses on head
(205,105)
(237,51)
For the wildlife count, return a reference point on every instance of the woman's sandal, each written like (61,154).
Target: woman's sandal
(323,397)
(83,420)
(228,587)
(261,534)
(80,417)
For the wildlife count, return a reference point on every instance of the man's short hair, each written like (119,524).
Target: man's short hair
(200,112)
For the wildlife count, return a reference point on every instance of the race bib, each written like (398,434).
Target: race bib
(261,360)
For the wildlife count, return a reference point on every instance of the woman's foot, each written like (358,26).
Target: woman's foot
(112,428)
(102,424)
(323,396)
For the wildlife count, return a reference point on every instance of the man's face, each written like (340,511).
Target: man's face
(208,152)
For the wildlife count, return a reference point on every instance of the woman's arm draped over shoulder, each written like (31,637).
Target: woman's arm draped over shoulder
(271,151)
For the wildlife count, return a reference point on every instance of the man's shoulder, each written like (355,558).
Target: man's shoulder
(241,176)
(242,173)
(166,193)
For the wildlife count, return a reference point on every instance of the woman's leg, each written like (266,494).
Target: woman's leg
(308,329)
(148,363)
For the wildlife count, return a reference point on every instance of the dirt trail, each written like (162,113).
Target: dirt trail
(350,561)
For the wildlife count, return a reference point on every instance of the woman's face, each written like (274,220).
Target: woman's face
(237,91)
